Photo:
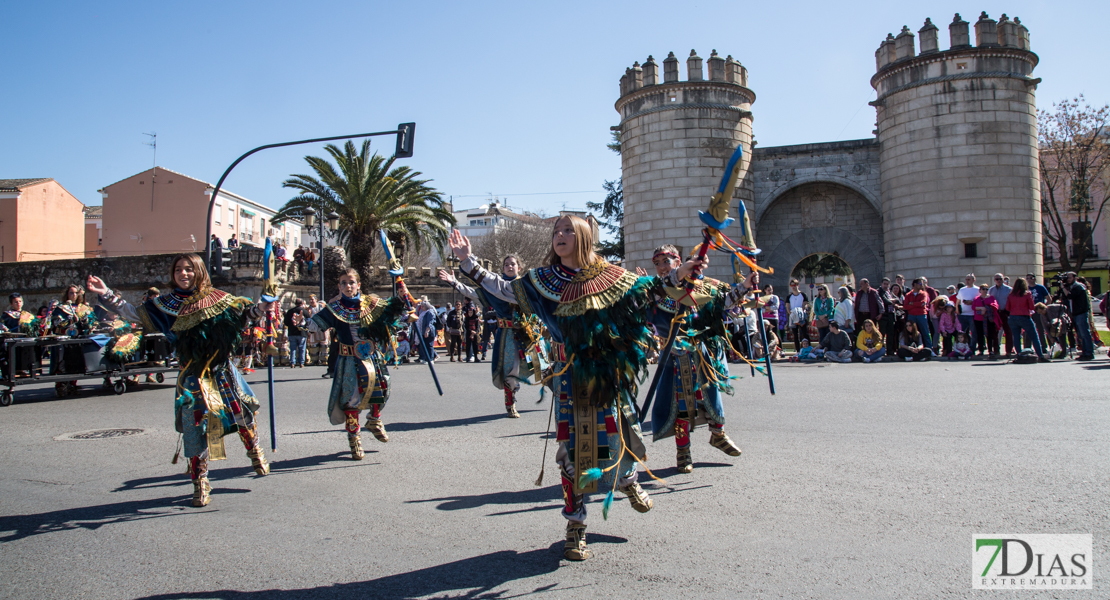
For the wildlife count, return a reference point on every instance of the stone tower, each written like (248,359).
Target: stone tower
(957,130)
(676,137)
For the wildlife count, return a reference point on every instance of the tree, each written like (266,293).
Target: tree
(370,196)
(1074,162)
(612,210)
(820,265)
(530,241)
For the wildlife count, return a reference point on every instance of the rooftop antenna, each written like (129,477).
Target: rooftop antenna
(153,143)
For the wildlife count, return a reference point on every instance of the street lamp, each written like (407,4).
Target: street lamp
(309,216)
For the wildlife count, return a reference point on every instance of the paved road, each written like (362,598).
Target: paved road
(857,481)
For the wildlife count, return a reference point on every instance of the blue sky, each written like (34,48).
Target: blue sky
(511,98)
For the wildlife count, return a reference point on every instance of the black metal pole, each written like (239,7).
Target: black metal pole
(220,183)
(766,350)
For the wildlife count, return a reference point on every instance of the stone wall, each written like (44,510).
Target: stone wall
(131,276)
(958,135)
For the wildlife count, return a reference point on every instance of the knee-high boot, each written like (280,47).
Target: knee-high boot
(353,434)
(249,435)
(198,469)
(510,402)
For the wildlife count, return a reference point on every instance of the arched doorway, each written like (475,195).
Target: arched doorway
(820,218)
(827,269)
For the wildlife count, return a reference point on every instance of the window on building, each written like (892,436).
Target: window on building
(219,211)
(971,250)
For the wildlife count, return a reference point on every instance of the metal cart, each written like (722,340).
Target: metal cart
(26,360)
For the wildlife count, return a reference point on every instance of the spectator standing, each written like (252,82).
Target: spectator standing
(823,307)
(1001,292)
(771,309)
(910,346)
(867,303)
(844,313)
(933,293)
(489,326)
(869,343)
(294,321)
(298,258)
(916,304)
(454,325)
(425,327)
(951,294)
(887,319)
(1020,311)
(986,322)
(1079,307)
(215,242)
(837,344)
(964,297)
(798,301)
(898,296)
(472,323)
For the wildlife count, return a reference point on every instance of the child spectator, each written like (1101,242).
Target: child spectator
(869,343)
(987,323)
(948,324)
(807,352)
(961,350)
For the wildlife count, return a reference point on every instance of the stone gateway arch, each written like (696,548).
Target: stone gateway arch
(949,184)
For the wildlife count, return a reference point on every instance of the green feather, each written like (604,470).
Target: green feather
(379,329)
(220,334)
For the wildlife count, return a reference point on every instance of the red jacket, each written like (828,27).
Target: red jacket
(916,303)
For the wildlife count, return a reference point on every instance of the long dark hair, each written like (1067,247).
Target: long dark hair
(1021,287)
(201,280)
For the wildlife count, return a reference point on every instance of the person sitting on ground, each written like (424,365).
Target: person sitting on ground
(837,345)
(869,343)
(910,346)
(807,352)
(961,350)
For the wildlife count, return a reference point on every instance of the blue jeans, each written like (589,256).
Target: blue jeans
(1083,327)
(1022,327)
(922,323)
(296,349)
(881,352)
(967,323)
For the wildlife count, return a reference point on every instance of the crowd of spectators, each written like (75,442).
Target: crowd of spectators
(892,321)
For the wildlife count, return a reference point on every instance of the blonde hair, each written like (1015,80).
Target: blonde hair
(583,242)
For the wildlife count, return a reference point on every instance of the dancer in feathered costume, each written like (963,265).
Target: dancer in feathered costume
(517,339)
(361,378)
(596,315)
(696,370)
(204,325)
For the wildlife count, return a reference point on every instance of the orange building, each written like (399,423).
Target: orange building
(160,211)
(39,220)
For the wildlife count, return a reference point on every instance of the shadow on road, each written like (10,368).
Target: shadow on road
(472,578)
(95,517)
(394,427)
(277,467)
(530,496)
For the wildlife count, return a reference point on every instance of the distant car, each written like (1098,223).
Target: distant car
(1100,303)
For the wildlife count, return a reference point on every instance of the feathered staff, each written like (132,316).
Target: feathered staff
(270,294)
(395,270)
(715,219)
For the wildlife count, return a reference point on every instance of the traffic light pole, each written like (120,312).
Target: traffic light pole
(404,132)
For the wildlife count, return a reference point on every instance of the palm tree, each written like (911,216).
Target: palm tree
(371,196)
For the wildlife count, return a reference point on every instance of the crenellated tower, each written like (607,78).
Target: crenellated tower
(676,137)
(957,130)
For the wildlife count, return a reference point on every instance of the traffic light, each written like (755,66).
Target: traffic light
(405,134)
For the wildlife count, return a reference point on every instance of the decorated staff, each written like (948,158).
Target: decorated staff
(399,289)
(716,218)
(270,295)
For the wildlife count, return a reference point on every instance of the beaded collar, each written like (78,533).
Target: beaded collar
(171,302)
(354,315)
(551,280)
